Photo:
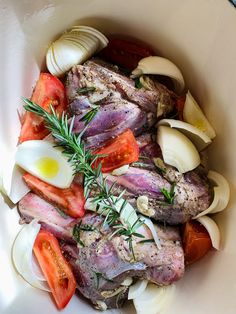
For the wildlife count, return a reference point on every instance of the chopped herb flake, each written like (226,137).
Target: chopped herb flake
(85,90)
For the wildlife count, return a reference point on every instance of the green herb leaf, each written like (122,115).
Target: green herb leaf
(86,90)
(138,84)
(169,195)
(146,241)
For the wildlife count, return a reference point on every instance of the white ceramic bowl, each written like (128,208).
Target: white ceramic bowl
(199,36)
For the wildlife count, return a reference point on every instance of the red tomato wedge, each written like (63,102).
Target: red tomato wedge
(55,268)
(125,53)
(49,90)
(120,151)
(196,241)
(71,200)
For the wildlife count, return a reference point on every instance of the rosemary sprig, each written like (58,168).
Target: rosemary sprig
(83,161)
(169,195)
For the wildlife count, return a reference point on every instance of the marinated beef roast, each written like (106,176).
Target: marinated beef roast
(104,265)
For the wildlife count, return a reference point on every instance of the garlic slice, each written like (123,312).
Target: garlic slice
(160,66)
(197,137)
(194,115)
(154,299)
(120,171)
(212,229)
(221,194)
(177,150)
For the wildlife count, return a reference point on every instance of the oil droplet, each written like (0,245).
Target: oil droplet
(47,167)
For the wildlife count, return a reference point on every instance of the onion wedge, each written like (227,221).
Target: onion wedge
(160,66)
(74,47)
(212,229)
(103,41)
(221,194)
(197,137)
(22,255)
(12,185)
(194,115)
(137,289)
(154,299)
(177,150)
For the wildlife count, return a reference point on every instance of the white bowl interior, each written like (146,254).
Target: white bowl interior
(199,36)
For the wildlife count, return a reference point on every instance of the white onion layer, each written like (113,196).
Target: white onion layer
(193,114)
(177,150)
(221,194)
(154,299)
(160,66)
(12,184)
(212,230)
(196,136)
(151,226)
(22,252)
(137,289)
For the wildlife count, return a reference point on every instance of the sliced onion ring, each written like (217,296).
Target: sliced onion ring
(160,66)
(197,137)
(221,194)
(137,289)
(212,229)
(22,252)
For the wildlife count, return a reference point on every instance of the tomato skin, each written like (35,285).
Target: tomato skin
(55,268)
(125,53)
(49,90)
(70,200)
(196,241)
(120,151)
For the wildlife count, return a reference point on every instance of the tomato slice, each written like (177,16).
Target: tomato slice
(70,200)
(125,53)
(49,90)
(55,268)
(120,151)
(196,241)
